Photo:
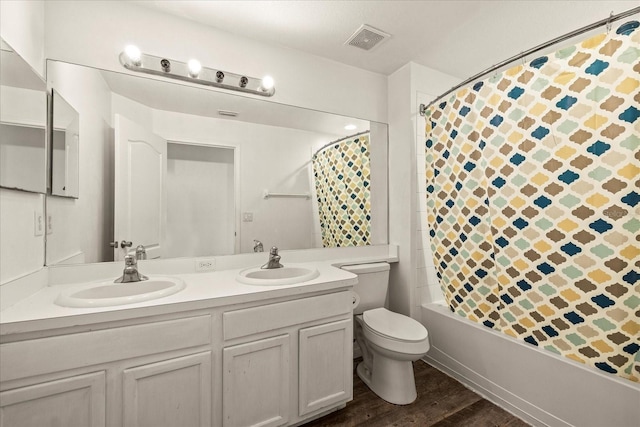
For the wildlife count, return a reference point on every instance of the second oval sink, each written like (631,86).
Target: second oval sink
(110,294)
(287,275)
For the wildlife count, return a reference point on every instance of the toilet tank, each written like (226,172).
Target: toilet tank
(372,286)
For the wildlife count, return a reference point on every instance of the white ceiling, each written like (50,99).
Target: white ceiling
(457,37)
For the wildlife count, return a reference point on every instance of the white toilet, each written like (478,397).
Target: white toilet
(389,341)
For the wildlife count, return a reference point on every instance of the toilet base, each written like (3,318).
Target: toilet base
(392,380)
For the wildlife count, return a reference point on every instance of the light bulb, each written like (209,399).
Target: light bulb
(134,54)
(194,67)
(350,127)
(267,83)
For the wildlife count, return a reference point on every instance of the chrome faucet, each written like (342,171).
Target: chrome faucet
(141,252)
(130,273)
(257,246)
(274,259)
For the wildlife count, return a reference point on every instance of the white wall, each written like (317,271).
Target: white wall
(379,170)
(95,32)
(406,183)
(21,252)
(84,225)
(401,190)
(427,84)
(22,26)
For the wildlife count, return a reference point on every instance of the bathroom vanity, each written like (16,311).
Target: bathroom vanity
(217,353)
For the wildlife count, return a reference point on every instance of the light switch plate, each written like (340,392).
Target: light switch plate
(38,224)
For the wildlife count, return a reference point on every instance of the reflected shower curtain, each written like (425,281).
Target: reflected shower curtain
(533,180)
(342,179)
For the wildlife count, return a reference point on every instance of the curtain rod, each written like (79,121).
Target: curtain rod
(593,26)
(338,140)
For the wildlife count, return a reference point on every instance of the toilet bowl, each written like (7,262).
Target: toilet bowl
(389,341)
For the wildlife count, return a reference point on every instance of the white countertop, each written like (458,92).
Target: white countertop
(38,312)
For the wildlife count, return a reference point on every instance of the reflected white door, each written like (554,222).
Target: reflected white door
(140,190)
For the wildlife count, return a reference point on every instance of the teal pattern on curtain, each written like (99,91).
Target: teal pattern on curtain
(342,180)
(533,180)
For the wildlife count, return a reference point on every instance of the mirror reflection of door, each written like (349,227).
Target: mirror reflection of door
(201,219)
(174,198)
(140,190)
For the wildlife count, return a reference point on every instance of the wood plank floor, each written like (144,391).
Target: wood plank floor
(442,402)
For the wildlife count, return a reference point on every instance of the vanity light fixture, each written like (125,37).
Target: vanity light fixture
(350,127)
(194,68)
(133,55)
(165,64)
(133,59)
(267,83)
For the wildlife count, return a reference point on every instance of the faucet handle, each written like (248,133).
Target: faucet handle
(130,261)
(141,252)
(273,251)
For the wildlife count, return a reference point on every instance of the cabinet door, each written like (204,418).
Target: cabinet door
(325,368)
(256,383)
(175,392)
(71,402)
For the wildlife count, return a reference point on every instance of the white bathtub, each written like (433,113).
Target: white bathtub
(542,388)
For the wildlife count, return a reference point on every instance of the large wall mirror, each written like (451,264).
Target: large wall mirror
(188,171)
(23,119)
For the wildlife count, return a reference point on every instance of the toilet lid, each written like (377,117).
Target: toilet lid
(394,325)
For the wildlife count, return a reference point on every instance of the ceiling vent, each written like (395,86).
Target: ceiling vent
(367,37)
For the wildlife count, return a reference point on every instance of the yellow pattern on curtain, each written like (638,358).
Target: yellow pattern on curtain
(533,178)
(342,179)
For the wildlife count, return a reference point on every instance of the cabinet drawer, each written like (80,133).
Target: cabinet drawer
(254,320)
(34,357)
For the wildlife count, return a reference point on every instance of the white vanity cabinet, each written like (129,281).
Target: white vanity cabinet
(145,374)
(267,362)
(286,362)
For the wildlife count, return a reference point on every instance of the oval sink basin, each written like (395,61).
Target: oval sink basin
(287,275)
(108,294)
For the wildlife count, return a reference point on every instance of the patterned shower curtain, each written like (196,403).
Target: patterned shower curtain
(533,180)
(342,181)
